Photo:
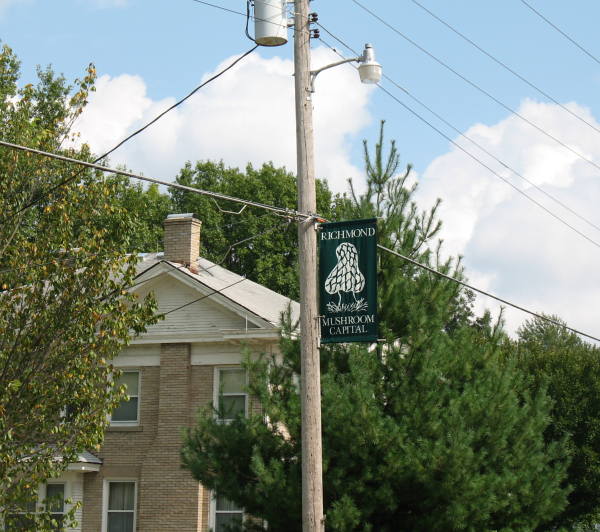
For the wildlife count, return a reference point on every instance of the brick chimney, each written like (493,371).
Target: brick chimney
(182,239)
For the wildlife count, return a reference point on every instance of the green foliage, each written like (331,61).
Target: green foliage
(148,207)
(434,429)
(64,309)
(569,368)
(271,256)
(255,243)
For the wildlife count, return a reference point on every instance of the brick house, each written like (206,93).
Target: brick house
(186,361)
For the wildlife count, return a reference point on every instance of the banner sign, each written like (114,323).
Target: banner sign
(348,281)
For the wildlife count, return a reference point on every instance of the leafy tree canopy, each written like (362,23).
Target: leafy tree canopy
(64,309)
(254,243)
(569,368)
(268,250)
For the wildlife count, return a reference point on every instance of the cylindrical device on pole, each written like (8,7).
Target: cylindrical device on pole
(310,378)
(270,22)
(369,69)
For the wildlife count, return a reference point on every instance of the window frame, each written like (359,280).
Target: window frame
(136,422)
(64,495)
(212,515)
(39,505)
(217,391)
(105,497)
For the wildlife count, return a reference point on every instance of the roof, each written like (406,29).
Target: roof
(254,297)
(88,458)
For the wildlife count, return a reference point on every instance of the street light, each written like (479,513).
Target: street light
(369,70)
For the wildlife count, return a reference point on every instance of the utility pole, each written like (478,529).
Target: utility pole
(312,459)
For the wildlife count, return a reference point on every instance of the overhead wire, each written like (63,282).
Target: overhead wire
(135,133)
(564,34)
(462,134)
(281,209)
(297,215)
(487,152)
(485,293)
(486,166)
(478,87)
(246,15)
(505,66)
(288,213)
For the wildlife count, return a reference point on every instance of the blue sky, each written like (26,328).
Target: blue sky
(171,44)
(149,53)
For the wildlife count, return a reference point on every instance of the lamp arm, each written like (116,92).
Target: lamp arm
(314,73)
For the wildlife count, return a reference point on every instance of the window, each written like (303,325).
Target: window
(127,413)
(227,515)
(21,519)
(55,503)
(54,499)
(232,398)
(120,506)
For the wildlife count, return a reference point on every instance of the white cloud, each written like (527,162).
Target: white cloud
(247,115)
(511,247)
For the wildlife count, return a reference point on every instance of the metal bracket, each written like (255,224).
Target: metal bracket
(228,212)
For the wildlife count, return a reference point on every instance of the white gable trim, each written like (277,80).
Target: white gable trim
(182,275)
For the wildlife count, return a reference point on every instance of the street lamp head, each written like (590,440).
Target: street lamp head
(369,70)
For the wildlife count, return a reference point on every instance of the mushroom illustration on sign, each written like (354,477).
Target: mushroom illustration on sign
(346,277)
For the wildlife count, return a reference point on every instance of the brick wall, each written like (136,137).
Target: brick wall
(182,240)
(202,395)
(124,449)
(169,498)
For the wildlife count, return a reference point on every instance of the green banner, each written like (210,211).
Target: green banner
(348,281)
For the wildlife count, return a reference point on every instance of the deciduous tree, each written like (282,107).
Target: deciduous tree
(268,250)
(64,308)
(569,368)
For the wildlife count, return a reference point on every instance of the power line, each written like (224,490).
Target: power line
(294,214)
(282,211)
(219,291)
(477,87)
(245,15)
(287,213)
(483,292)
(220,7)
(137,132)
(486,166)
(565,35)
(547,194)
(490,169)
(505,66)
(464,135)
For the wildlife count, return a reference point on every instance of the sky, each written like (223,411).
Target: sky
(150,53)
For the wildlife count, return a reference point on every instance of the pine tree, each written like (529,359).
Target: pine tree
(435,429)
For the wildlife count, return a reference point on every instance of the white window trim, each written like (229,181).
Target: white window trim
(41,497)
(66,495)
(135,423)
(105,488)
(212,514)
(217,389)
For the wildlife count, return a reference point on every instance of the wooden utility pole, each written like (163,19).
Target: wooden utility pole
(312,460)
